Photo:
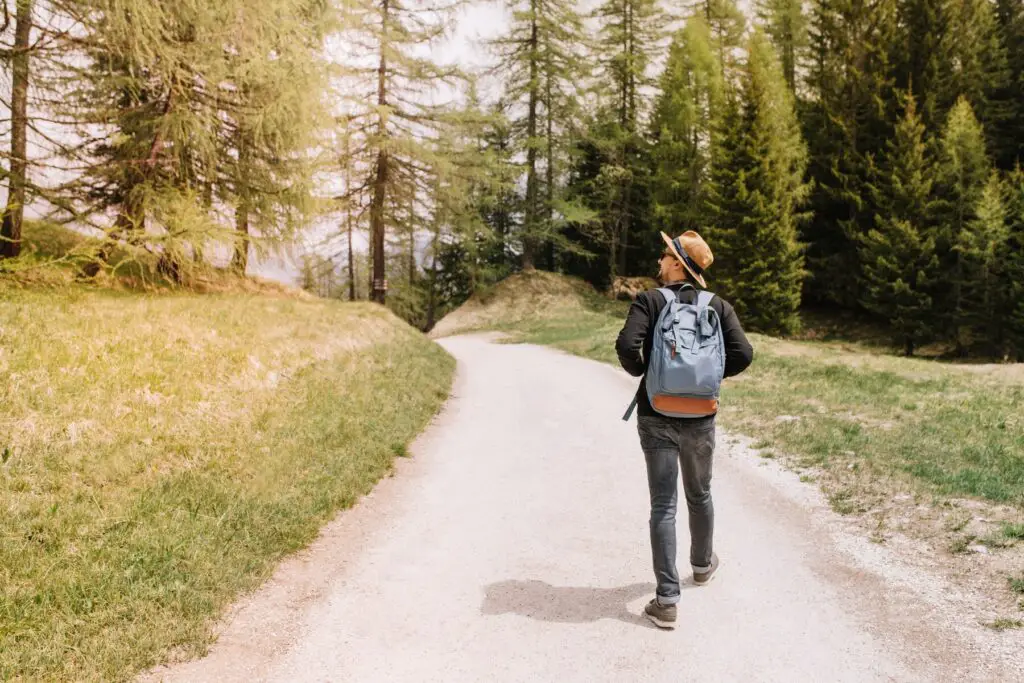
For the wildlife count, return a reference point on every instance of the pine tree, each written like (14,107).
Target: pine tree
(630,33)
(150,69)
(972,48)
(562,71)
(1008,135)
(10,229)
(846,121)
(786,24)
(539,60)
(982,247)
(726,23)
(1013,280)
(900,264)
(684,129)
(760,191)
(918,62)
(393,123)
(185,111)
(963,175)
(499,200)
(271,120)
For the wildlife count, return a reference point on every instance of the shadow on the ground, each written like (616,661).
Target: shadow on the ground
(564,604)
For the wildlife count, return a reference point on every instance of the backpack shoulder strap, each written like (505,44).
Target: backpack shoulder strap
(671,296)
(704,299)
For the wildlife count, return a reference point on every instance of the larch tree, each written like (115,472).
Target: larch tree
(630,33)
(540,64)
(389,92)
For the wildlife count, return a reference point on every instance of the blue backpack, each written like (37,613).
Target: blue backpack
(687,363)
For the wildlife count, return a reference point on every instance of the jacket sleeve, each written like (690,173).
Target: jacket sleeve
(739,354)
(629,346)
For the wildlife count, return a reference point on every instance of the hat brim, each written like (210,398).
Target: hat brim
(675,252)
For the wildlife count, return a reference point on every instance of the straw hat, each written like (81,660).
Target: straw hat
(693,252)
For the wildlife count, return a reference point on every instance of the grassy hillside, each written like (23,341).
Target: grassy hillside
(882,434)
(160,453)
(53,255)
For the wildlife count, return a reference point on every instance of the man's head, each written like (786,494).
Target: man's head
(685,258)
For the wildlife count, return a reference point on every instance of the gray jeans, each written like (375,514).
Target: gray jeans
(669,443)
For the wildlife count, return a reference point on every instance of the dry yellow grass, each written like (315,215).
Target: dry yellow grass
(160,452)
(520,298)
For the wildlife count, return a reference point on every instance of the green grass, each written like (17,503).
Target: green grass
(162,453)
(1013,532)
(1005,624)
(858,413)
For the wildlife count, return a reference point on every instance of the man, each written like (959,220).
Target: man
(672,443)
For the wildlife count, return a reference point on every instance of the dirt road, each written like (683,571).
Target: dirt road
(513,547)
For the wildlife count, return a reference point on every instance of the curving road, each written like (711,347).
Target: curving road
(513,547)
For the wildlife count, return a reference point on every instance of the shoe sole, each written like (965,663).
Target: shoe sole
(713,572)
(705,581)
(660,623)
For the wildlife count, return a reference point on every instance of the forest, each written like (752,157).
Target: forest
(856,155)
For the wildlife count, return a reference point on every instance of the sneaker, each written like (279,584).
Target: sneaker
(704,578)
(663,616)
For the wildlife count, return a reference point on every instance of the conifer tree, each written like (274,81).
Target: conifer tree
(917,60)
(629,35)
(846,121)
(963,175)
(760,188)
(540,62)
(390,111)
(726,23)
(900,265)
(786,24)
(977,61)
(1008,135)
(983,250)
(152,78)
(10,228)
(684,128)
(1013,280)
(183,111)
(271,119)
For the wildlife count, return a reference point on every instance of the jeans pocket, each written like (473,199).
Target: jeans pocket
(654,433)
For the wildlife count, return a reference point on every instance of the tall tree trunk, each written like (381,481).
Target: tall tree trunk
(432,293)
(531,217)
(240,261)
(378,290)
(10,230)
(412,238)
(628,118)
(549,193)
(131,218)
(348,218)
(351,257)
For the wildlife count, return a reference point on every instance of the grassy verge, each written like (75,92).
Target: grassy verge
(160,454)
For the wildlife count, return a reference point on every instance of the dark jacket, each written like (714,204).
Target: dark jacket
(634,343)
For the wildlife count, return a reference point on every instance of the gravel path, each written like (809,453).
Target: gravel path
(513,547)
